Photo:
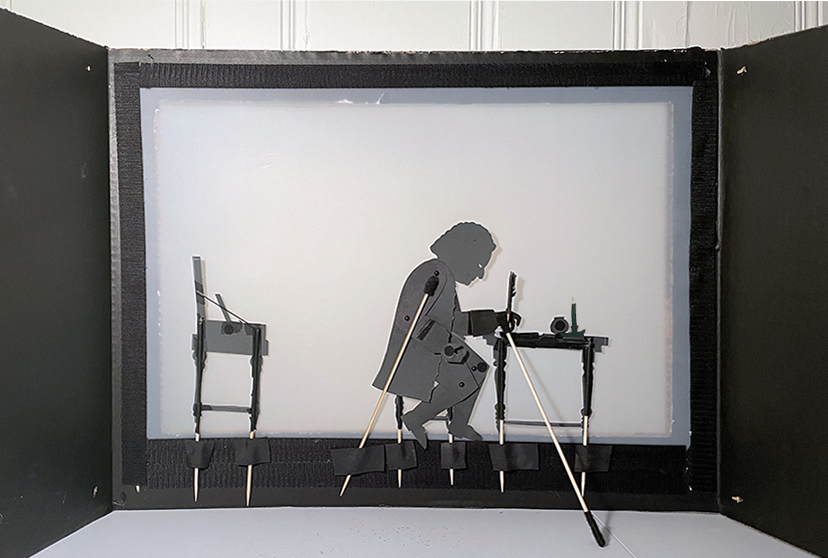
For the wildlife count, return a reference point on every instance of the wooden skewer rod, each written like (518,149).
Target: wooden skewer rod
(501,433)
(399,471)
(501,440)
(195,474)
(546,422)
(451,471)
(249,476)
(388,383)
(449,418)
(584,442)
(590,519)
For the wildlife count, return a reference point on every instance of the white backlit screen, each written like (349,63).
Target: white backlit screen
(310,207)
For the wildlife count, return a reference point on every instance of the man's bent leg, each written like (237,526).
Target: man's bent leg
(441,400)
(459,426)
(415,419)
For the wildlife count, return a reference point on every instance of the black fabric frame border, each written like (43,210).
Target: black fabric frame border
(144,463)
(133,315)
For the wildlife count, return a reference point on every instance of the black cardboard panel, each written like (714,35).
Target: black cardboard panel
(774,455)
(55,372)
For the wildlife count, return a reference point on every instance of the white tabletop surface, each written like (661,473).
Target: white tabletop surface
(409,532)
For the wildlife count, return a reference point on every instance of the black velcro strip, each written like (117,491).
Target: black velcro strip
(704,210)
(133,276)
(307,463)
(421,70)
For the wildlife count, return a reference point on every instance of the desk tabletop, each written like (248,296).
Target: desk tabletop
(536,340)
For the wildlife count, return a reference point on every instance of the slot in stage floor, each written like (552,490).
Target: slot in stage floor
(410,532)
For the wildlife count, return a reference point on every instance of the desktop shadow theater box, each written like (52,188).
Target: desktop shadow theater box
(664,212)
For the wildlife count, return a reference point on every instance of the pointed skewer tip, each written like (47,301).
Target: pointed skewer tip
(249,487)
(344,485)
(195,485)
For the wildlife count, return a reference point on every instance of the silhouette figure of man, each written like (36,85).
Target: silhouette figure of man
(437,367)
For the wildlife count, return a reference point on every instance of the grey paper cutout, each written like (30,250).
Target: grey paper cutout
(592,459)
(228,336)
(223,308)
(198,278)
(438,378)
(466,248)
(514,457)
(232,337)
(355,461)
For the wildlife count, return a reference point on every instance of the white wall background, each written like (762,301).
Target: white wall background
(420,25)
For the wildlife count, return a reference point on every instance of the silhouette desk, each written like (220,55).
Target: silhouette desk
(588,345)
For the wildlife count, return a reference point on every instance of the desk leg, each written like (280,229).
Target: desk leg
(256,373)
(200,356)
(588,362)
(585,442)
(500,349)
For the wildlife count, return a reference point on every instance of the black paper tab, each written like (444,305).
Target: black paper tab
(252,452)
(514,457)
(355,461)
(199,453)
(400,456)
(592,459)
(453,456)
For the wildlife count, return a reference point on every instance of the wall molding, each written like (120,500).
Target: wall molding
(618,9)
(808,14)
(294,32)
(484,25)
(287,22)
(190,24)
(627,24)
